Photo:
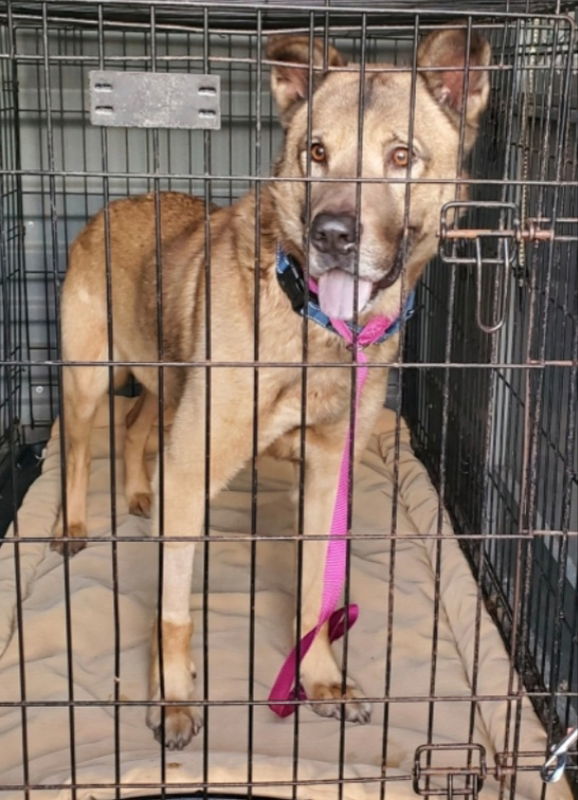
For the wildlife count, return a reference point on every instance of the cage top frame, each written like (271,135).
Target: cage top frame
(440,10)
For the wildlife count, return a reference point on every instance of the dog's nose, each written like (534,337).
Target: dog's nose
(333,234)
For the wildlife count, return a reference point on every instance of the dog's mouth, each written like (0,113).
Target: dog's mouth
(337,292)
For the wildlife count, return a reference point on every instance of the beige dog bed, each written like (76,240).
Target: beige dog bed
(44,626)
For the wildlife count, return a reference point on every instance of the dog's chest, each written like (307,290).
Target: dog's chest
(326,394)
(318,390)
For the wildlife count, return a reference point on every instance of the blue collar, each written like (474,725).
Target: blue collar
(290,278)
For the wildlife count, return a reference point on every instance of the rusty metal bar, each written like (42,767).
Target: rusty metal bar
(529,235)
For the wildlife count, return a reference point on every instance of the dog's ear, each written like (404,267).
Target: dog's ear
(447,48)
(290,81)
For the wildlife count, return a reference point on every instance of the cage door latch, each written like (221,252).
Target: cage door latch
(494,246)
(449,770)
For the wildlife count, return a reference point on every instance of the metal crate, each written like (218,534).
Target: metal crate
(488,381)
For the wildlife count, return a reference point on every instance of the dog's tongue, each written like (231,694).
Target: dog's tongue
(336,293)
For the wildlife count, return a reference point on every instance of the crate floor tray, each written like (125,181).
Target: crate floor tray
(277,756)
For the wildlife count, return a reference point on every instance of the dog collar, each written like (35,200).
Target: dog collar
(290,277)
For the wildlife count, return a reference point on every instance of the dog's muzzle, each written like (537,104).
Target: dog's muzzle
(334,239)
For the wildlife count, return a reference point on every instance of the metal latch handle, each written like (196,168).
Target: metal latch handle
(554,766)
(504,283)
(508,236)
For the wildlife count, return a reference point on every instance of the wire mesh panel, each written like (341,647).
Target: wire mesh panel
(502,440)
(13,286)
(487,374)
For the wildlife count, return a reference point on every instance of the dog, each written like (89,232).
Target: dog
(371,260)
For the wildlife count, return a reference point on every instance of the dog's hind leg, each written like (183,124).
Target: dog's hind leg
(139,423)
(83,389)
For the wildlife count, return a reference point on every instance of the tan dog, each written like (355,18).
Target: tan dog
(335,244)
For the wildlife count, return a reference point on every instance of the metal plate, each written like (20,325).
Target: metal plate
(155,100)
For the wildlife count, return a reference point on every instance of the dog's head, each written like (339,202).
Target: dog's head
(446,110)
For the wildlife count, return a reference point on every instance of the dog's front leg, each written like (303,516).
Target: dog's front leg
(182,515)
(321,676)
(183,512)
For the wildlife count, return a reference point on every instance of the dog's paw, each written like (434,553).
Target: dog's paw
(181,724)
(77,530)
(140,504)
(356,709)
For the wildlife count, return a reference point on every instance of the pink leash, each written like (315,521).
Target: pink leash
(287,686)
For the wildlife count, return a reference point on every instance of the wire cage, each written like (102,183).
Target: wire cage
(486,378)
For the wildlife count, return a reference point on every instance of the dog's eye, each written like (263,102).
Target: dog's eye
(318,153)
(400,157)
